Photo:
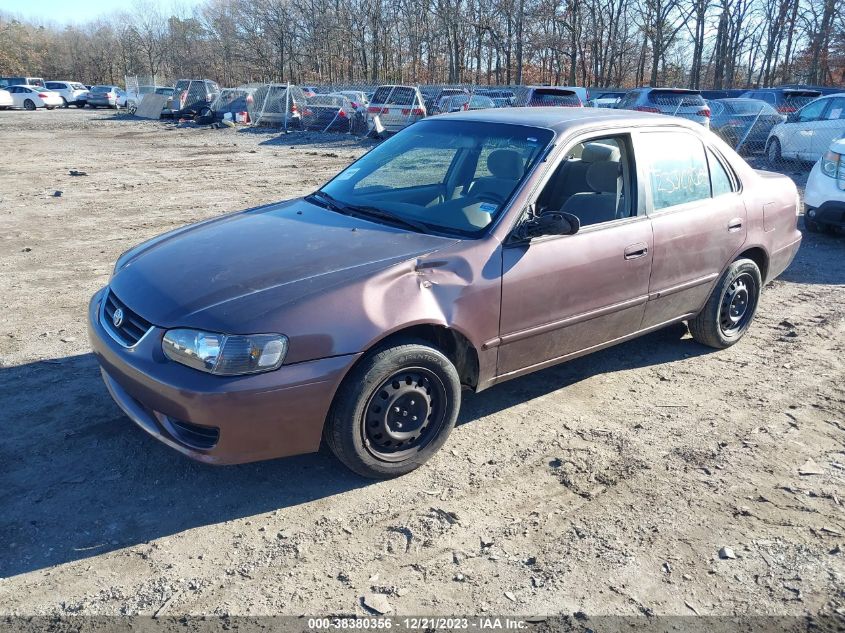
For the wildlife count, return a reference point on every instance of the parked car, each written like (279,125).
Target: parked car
(230,103)
(72,93)
(433,97)
(502,97)
(277,105)
(458,103)
(824,195)
(687,104)
(606,98)
(332,113)
(395,107)
(746,121)
(21,81)
(134,98)
(31,98)
(107,97)
(359,99)
(808,133)
(545,96)
(6,100)
(469,249)
(192,96)
(784,100)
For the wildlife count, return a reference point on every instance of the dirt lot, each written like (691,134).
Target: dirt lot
(607,485)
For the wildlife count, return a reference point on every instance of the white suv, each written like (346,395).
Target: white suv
(72,93)
(824,196)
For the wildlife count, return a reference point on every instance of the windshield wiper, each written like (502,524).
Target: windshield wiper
(375,212)
(327,200)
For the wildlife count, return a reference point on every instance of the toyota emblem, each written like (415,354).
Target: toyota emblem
(117,318)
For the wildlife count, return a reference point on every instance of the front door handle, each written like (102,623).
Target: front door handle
(735,225)
(636,250)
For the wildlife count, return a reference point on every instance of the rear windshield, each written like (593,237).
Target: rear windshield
(800,98)
(552,97)
(750,106)
(326,100)
(676,97)
(76,86)
(394,95)
(101,89)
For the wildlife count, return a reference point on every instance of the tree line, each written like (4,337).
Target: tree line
(716,44)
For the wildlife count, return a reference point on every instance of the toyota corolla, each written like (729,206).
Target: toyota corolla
(466,250)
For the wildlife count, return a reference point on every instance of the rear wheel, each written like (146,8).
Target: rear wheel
(728,313)
(773,153)
(394,410)
(64,102)
(29,104)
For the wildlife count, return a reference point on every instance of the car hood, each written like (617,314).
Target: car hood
(223,273)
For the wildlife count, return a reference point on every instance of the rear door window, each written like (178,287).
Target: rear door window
(676,168)
(720,179)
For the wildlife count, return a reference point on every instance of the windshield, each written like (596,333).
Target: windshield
(449,176)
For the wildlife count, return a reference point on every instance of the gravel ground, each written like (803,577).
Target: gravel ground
(656,477)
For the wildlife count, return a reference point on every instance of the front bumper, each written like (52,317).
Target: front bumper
(238,418)
(824,198)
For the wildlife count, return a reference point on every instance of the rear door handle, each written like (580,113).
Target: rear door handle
(735,224)
(636,250)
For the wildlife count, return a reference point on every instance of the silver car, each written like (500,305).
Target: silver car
(687,104)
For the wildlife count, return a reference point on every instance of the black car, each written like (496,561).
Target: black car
(743,123)
(432,98)
(784,100)
(332,113)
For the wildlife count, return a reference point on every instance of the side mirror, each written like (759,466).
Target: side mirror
(548,223)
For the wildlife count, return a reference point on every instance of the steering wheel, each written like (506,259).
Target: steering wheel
(491,196)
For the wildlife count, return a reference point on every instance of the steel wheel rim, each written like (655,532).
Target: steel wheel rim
(737,305)
(404,414)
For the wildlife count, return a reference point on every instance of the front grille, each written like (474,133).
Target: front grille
(131,328)
(194,435)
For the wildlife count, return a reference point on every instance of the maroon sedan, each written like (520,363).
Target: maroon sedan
(466,250)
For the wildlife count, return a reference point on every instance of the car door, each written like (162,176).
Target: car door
(563,295)
(698,218)
(17,99)
(829,128)
(800,129)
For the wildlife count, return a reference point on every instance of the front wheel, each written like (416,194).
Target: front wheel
(728,313)
(394,410)
(29,104)
(773,153)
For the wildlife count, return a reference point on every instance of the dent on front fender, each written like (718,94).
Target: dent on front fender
(457,288)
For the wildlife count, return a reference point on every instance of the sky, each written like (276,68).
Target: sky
(68,11)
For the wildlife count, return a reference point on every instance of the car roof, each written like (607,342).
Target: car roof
(564,119)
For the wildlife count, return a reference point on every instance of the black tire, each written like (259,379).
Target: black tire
(729,310)
(773,154)
(64,103)
(29,104)
(394,410)
(812,226)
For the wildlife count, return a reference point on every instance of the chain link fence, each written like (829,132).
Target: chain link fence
(787,132)
(138,86)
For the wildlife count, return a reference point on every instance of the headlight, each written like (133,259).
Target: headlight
(830,163)
(225,355)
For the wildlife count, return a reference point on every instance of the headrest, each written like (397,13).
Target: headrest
(603,175)
(594,152)
(505,163)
